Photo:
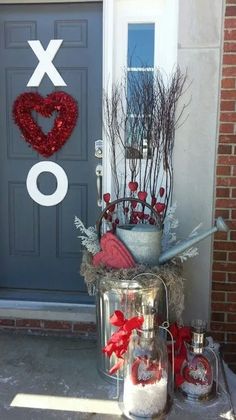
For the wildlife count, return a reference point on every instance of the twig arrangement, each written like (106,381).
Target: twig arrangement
(140,122)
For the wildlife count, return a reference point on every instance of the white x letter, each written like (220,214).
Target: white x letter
(45,63)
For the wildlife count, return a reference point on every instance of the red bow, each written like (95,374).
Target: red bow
(180,335)
(119,341)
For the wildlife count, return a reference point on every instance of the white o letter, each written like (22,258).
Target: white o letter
(62,183)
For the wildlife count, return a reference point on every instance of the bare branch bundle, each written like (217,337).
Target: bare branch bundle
(140,122)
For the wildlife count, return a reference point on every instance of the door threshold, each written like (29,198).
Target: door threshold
(52,311)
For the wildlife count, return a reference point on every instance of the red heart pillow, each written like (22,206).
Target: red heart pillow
(61,103)
(114,254)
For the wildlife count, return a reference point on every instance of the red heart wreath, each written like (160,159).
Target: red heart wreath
(60,102)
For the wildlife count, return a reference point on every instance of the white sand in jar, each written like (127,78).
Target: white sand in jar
(146,400)
(198,390)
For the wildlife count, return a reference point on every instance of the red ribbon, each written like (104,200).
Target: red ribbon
(180,336)
(119,341)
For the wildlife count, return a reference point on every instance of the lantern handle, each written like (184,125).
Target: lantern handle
(166,323)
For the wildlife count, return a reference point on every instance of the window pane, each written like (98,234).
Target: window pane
(139,92)
(141,44)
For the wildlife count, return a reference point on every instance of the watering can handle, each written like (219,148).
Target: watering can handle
(130,199)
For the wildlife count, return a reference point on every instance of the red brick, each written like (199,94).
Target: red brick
(226,128)
(231,276)
(233,214)
(228,117)
(229,348)
(227,106)
(226,181)
(218,296)
(231,297)
(229,71)
(230,23)
(231,224)
(229,59)
(231,338)
(7,322)
(230,11)
(230,1)
(223,170)
(220,256)
(85,327)
(228,83)
(218,316)
(228,94)
(227,160)
(57,325)
(218,336)
(229,357)
(224,266)
(226,203)
(29,323)
(223,236)
(218,276)
(231,318)
(225,246)
(234,170)
(222,213)
(218,326)
(233,237)
(222,192)
(229,35)
(233,195)
(225,149)
(223,286)
(230,138)
(223,307)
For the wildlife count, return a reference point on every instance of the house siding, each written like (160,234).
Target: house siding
(223,305)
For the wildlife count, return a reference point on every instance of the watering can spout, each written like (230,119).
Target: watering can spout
(182,246)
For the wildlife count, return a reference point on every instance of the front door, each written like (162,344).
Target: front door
(40,254)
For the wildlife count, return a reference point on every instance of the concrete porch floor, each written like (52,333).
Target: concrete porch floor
(51,377)
(55,373)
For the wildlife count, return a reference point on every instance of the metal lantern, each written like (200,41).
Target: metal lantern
(200,369)
(147,378)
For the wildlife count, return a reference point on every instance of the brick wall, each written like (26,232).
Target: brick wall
(223,319)
(37,326)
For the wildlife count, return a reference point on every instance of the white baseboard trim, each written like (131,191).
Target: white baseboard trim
(51,311)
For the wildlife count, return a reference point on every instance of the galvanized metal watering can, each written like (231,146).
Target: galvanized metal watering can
(144,240)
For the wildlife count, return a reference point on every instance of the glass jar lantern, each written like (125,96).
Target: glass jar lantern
(200,369)
(146,380)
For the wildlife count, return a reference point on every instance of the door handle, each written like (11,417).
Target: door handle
(99,173)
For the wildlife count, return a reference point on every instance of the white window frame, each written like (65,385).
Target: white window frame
(117,14)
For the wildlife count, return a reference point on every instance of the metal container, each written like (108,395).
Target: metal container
(143,241)
(128,296)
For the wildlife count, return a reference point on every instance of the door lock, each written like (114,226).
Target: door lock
(99,149)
